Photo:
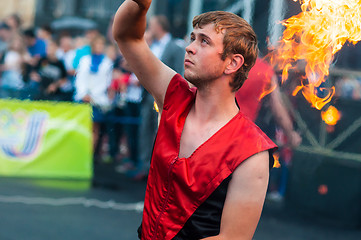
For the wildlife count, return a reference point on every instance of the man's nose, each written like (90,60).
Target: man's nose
(190,49)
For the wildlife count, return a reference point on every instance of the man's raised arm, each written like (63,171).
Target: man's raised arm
(128,31)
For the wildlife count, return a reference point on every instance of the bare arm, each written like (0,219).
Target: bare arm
(282,116)
(244,200)
(128,31)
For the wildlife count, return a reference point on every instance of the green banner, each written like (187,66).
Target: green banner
(45,139)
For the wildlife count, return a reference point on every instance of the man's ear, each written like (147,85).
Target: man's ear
(236,62)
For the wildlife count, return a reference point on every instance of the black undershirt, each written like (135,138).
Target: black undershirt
(206,220)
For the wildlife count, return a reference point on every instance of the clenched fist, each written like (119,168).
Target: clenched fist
(143,3)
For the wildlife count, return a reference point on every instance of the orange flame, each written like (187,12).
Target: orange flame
(270,85)
(155,106)
(314,36)
(331,116)
(276,163)
(267,90)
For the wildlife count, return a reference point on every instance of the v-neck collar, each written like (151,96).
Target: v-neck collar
(214,135)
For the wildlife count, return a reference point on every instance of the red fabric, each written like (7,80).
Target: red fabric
(177,186)
(248,96)
(118,83)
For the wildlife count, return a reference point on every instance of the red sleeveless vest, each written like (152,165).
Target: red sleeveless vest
(177,186)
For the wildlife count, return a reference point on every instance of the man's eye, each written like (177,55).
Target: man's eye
(204,41)
(192,39)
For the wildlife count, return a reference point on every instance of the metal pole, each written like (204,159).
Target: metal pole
(276,15)
(195,8)
(236,7)
(151,11)
(248,10)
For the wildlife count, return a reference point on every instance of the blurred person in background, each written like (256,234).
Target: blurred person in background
(51,75)
(84,45)
(164,46)
(117,94)
(37,49)
(66,54)
(261,79)
(93,78)
(45,33)
(35,45)
(79,42)
(133,98)
(5,36)
(148,125)
(11,84)
(14,22)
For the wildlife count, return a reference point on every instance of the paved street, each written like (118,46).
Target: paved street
(66,210)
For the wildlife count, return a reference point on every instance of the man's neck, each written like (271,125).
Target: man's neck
(215,103)
(214,107)
(52,57)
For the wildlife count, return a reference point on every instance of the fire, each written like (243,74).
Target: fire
(313,37)
(155,106)
(331,116)
(276,163)
(267,90)
(323,189)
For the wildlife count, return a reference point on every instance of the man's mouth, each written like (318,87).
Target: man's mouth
(187,61)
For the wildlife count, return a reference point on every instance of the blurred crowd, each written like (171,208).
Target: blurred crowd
(40,64)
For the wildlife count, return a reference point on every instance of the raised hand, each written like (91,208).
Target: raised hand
(145,4)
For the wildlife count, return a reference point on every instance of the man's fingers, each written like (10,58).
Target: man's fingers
(145,4)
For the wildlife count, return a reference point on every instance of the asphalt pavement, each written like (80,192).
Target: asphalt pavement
(109,207)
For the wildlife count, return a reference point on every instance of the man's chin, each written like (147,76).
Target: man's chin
(189,78)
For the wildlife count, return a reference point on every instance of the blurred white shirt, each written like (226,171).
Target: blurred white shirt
(93,84)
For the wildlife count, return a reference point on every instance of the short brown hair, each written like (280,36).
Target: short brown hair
(239,38)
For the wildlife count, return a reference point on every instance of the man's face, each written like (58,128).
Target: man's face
(29,41)
(5,34)
(41,34)
(98,47)
(66,43)
(203,62)
(51,49)
(91,34)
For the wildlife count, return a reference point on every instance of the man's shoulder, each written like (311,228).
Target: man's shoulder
(248,139)
(178,92)
(86,59)
(178,84)
(40,42)
(107,61)
(246,124)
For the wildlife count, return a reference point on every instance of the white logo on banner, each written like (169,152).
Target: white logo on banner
(21,133)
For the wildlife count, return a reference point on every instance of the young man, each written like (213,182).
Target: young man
(209,171)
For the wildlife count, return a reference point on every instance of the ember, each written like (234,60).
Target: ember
(155,106)
(276,163)
(331,116)
(323,189)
